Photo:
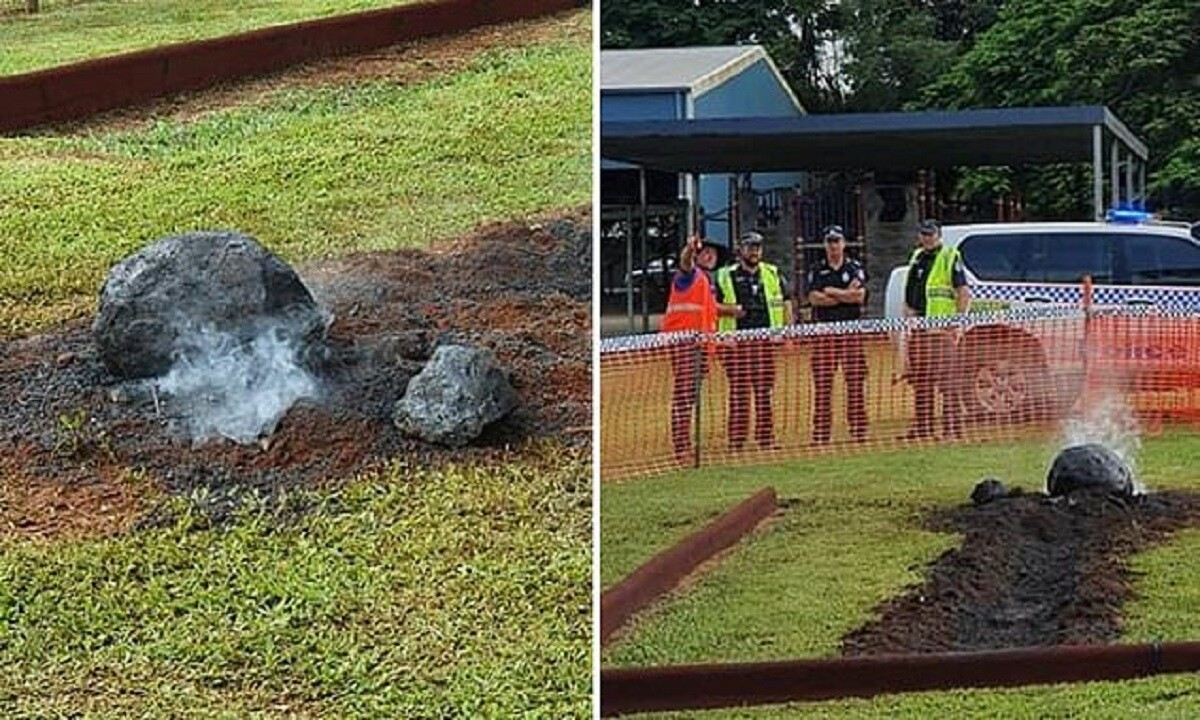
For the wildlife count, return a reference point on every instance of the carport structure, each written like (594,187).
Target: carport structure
(892,141)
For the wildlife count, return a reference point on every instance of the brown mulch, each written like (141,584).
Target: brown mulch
(45,507)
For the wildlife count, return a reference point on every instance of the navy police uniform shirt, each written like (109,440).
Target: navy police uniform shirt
(914,289)
(823,277)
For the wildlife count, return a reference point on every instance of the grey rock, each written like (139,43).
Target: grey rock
(1090,466)
(153,300)
(459,392)
(987,490)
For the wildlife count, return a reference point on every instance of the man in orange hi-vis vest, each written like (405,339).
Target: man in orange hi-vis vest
(692,307)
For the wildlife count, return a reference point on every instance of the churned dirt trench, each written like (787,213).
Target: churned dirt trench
(1030,571)
(80,456)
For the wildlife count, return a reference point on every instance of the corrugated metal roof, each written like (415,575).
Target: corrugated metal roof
(695,69)
(899,140)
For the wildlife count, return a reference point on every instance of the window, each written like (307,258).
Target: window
(993,257)
(1161,260)
(1067,257)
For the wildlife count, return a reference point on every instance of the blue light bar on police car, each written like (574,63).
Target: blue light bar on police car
(1127,215)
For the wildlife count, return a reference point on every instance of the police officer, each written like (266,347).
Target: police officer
(837,289)
(692,306)
(936,287)
(758,294)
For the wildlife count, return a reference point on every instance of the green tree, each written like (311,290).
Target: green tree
(894,48)
(795,33)
(1140,58)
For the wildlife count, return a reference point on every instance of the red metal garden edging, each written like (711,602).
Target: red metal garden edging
(686,687)
(665,570)
(78,90)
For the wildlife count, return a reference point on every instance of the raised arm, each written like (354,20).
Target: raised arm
(687,256)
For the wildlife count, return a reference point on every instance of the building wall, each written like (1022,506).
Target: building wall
(639,106)
(889,243)
(754,92)
(642,106)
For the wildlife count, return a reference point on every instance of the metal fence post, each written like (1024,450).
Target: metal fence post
(698,361)
(1088,329)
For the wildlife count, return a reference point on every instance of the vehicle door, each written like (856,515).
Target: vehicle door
(1155,341)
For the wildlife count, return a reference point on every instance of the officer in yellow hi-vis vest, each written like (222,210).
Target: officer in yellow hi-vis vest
(936,287)
(759,295)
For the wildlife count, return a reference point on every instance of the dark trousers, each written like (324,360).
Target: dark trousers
(829,353)
(933,366)
(750,369)
(688,365)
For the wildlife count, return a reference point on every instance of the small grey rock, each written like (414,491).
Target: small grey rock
(454,397)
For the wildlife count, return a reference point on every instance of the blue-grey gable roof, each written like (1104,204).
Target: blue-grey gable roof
(694,70)
(899,140)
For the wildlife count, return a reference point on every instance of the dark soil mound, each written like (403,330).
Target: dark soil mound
(1031,571)
(518,289)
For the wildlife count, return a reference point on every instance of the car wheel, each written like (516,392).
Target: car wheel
(1001,387)
(1005,378)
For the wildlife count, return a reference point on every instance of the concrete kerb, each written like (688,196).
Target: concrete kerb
(80,90)
(689,687)
(667,569)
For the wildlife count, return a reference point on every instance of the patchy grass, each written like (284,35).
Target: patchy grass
(70,32)
(413,593)
(310,172)
(849,539)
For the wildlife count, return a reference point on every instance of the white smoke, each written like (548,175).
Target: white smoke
(231,387)
(1108,421)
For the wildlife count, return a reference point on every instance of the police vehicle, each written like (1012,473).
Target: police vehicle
(1133,262)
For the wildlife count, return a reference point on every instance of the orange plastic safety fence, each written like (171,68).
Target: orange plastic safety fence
(687,400)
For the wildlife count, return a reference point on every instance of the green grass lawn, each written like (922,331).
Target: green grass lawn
(849,539)
(308,172)
(67,32)
(412,593)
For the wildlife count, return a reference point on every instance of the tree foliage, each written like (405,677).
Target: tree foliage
(1140,58)
(894,48)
